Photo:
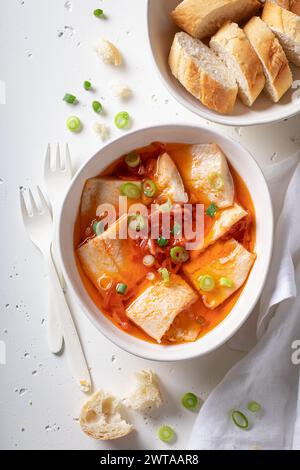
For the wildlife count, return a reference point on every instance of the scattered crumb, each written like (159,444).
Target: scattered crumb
(85,386)
(121,90)
(102,130)
(108,53)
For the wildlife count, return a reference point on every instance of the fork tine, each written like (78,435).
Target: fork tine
(68,165)
(47,164)
(23,206)
(33,206)
(58,158)
(43,202)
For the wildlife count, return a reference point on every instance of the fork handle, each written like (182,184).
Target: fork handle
(76,356)
(54,333)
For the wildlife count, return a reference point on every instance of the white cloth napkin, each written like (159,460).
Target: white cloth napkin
(267,374)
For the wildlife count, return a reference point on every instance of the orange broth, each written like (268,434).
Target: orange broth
(210,318)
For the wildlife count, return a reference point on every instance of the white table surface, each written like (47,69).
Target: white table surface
(39,401)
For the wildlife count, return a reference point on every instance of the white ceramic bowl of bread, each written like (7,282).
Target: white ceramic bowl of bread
(221,94)
(246,167)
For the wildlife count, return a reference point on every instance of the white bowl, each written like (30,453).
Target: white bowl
(248,169)
(161,31)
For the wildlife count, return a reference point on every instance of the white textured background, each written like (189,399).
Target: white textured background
(39,402)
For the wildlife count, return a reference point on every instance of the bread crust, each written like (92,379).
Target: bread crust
(234,40)
(202,18)
(271,55)
(285,22)
(199,83)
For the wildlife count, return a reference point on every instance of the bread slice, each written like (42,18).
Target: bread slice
(100,418)
(203,18)
(202,73)
(231,44)
(147,393)
(291,5)
(286,25)
(274,61)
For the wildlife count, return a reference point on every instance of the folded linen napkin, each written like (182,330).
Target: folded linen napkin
(267,374)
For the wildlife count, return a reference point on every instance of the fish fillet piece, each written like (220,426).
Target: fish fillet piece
(225,259)
(111,256)
(157,306)
(206,175)
(168,179)
(97,191)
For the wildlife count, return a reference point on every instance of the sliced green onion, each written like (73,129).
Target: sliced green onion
(165,275)
(254,407)
(121,288)
(239,419)
(206,283)
(87,85)
(130,190)
(148,261)
(97,107)
(98,228)
(165,433)
(70,99)
(74,124)
(226,282)
(189,401)
(176,230)
(122,119)
(98,13)
(179,254)
(211,210)
(149,188)
(162,242)
(216,181)
(132,160)
(136,222)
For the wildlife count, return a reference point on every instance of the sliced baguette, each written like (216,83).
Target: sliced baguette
(203,18)
(274,61)
(202,73)
(286,25)
(233,47)
(291,5)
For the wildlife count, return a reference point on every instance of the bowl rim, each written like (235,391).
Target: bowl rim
(211,115)
(110,334)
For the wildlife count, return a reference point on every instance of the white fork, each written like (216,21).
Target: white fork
(38,223)
(56,177)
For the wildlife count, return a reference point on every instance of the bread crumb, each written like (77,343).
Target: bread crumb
(102,130)
(121,90)
(147,393)
(85,386)
(108,53)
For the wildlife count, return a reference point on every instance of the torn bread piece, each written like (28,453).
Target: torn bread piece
(278,74)
(206,175)
(219,271)
(202,73)
(286,25)
(291,5)
(100,418)
(147,393)
(202,18)
(168,180)
(158,304)
(231,44)
(108,257)
(101,190)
